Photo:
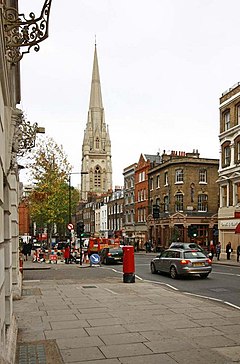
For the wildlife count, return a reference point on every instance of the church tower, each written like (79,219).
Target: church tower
(96,148)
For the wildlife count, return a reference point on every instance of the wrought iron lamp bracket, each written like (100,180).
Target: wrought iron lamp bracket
(24,33)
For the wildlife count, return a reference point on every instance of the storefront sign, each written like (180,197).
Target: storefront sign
(228,224)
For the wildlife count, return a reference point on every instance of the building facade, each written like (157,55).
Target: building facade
(184,187)
(129,203)
(229,168)
(96,147)
(145,163)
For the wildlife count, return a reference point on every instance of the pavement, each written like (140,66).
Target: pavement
(111,322)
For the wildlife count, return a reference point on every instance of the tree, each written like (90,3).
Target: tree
(49,200)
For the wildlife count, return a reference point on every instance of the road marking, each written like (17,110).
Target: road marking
(162,283)
(232,305)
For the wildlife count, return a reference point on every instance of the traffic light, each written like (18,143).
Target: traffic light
(192,231)
(156,211)
(80,229)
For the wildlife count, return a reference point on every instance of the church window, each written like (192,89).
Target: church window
(97,177)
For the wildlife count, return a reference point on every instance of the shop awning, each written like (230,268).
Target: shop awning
(237,229)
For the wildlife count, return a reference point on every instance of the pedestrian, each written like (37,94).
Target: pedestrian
(238,253)
(29,248)
(229,250)
(25,250)
(218,250)
(67,254)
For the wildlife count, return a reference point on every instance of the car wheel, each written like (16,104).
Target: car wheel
(204,275)
(153,268)
(173,272)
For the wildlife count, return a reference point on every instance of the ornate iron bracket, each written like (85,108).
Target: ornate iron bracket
(20,32)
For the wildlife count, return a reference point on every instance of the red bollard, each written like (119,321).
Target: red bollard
(128,264)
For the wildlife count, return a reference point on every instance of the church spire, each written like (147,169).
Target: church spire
(96,147)
(96,95)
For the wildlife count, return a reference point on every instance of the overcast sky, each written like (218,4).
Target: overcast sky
(163,67)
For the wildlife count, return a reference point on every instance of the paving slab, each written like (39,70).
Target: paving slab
(121,350)
(81,354)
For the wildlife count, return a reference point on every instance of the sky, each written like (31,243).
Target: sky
(163,66)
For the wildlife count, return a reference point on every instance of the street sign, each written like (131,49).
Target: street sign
(95,259)
(70,226)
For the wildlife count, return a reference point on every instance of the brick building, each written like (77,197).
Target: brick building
(146,161)
(184,187)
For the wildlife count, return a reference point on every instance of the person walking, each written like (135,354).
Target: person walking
(218,250)
(67,254)
(238,253)
(25,251)
(229,250)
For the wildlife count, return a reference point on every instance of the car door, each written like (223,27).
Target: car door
(163,261)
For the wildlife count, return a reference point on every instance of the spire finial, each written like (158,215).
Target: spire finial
(95,40)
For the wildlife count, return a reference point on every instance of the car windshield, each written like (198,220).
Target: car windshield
(115,250)
(194,254)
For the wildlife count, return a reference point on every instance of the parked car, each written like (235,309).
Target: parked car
(111,255)
(195,246)
(180,262)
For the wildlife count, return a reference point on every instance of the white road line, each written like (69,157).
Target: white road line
(232,305)
(162,283)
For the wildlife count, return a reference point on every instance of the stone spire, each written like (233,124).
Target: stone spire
(96,148)
(96,95)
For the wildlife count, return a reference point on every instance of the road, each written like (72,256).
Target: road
(222,284)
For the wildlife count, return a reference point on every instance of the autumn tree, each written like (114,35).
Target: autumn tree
(49,200)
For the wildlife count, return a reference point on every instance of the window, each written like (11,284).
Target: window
(238,114)
(97,177)
(166,178)
(179,176)
(158,181)
(202,202)
(166,203)
(238,152)
(179,201)
(227,120)
(202,176)
(141,176)
(227,156)
(224,196)
(151,183)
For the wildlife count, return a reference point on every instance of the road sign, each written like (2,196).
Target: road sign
(95,259)
(70,226)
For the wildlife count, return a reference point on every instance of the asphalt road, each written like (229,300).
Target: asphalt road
(222,284)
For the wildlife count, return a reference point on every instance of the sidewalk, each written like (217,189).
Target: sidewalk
(114,322)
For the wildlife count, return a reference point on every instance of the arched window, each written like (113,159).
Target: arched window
(97,177)
(226,154)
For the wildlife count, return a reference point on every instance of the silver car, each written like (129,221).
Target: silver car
(179,262)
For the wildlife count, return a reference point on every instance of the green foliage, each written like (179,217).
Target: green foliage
(49,201)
